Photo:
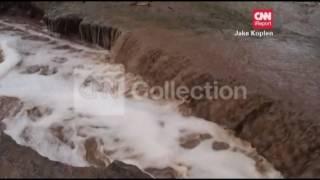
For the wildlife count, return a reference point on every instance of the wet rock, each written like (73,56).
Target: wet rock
(124,170)
(32,69)
(193,140)
(102,35)
(91,32)
(167,172)
(205,136)
(9,106)
(93,155)
(36,112)
(189,143)
(219,145)
(63,135)
(46,70)
(67,24)
(22,162)
(41,69)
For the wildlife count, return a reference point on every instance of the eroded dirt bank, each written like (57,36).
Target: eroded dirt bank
(280,115)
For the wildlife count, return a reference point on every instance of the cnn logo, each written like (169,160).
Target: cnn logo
(262,19)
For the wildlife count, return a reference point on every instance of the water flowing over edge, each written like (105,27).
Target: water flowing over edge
(147,134)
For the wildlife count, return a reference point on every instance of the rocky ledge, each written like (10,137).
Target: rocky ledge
(96,33)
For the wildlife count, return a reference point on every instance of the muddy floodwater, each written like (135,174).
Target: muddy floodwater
(50,75)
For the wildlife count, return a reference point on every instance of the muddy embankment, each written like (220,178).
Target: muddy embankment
(282,131)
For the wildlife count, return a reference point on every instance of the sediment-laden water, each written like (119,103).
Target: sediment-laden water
(58,120)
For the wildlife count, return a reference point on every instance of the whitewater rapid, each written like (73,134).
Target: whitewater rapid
(8,53)
(59,123)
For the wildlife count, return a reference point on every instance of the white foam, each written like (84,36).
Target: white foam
(147,133)
(11,57)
